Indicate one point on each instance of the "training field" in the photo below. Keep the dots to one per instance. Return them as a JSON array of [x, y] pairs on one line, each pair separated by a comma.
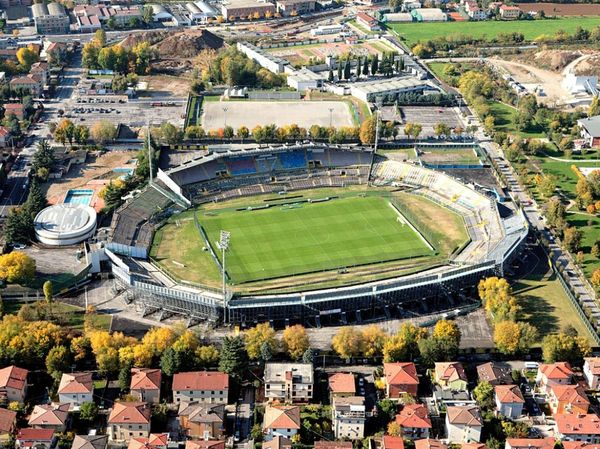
[[288, 240], [216, 114], [414, 32]]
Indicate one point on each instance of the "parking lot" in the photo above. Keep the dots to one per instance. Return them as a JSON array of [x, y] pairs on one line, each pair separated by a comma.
[[430, 116]]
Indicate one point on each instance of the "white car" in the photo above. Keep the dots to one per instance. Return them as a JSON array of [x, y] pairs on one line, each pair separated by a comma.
[[19, 246]]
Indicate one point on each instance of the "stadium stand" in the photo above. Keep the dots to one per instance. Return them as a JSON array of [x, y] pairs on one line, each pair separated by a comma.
[[240, 166]]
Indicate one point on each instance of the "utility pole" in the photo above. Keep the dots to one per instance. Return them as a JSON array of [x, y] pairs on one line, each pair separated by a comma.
[[225, 119], [224, 245]]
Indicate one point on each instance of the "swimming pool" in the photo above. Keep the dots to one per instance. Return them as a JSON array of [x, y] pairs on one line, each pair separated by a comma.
[[125, 170], [79, 196]]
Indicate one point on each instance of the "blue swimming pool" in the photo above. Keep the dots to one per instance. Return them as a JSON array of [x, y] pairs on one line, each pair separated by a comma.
[[79, 196], [125, 170]]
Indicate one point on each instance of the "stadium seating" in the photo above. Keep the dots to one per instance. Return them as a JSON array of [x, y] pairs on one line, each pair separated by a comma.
[[241, 166], [292, 160]]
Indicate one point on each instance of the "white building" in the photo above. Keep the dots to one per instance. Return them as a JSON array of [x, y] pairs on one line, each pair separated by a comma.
[[578, 84], [203, 386], [591, 372], [265, 59], [464, 424], [281, 421], [76, 388], [369, 91], [509, 400], [304, 79], [289, 382], [348, 417], [327, 29], [573, 427]]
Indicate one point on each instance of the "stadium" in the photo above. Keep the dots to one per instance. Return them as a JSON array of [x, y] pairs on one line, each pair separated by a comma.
[[313, 233]]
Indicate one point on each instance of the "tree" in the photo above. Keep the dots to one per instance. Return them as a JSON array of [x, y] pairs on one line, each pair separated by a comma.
[[147, 15], [124, 378], [243, 132], [170, 362], [256, 336], [26, 57], [207, 356], [498, 300], [556, 213], [365, 68], [234, 358], [594, 108], [373, 340], [348, 342], [81, 134], [266, 353], [511, 337], [295, 341], [330, 76], [404, 345], [88, 411], [142, 54], [441, 129], [447, 329], [375, 64], [100, 37], [484, 395], [563, 347], [170, 133], [347, 70], [394, 429], [58, 361], [308, 356], [16, 267], [103, 131], [48, 289], [572, 239], [18, 226], [413, 130], [36, 200], [368, 130]]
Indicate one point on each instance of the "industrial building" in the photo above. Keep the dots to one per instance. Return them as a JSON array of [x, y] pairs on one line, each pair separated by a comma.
[[295, 7], [235, 9], [50, 18], [160, 13], [270, 62], [370, 91], [429, 15], [304, 79]]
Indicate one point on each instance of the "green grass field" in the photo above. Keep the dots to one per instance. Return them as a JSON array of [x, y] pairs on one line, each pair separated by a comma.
[[504, 120], [531, 29], [313, 237]]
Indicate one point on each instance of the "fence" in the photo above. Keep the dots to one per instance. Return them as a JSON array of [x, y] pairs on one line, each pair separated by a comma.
[[208, 245]]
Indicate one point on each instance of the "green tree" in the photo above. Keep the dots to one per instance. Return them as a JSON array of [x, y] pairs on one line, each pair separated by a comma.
[[36, 200], [594, 107], [170, 133], [375, 64], [170, 362], [124, 378], [308, 356], [563, 347], [18, 227], [484, 395], [147, 14], [100, 37], [48, 290], [58, 361], [234, 358], [88, 411]]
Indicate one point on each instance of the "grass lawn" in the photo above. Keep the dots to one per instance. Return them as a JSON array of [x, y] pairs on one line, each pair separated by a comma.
[[462, 156], [504, 117], [531, 29], [566, 178], [590, 235], [282, 241]]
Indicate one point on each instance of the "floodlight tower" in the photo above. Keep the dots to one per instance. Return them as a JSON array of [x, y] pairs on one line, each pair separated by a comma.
[[224, 245]]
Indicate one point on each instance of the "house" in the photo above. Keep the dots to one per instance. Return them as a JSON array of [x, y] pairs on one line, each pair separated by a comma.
[[450, 376], [128, 420], [348, 417], [28, 82], [289, 382], [414, 421], [16, 109], [477, 14], [509, 12], [76, 388], [50, 416], [35, 438], [154, 441], [13, 380], [473, 446], [392, 442], [530, 443], [558, 373], [8, 422], [90, 442], [568, 399], [578, 445], [201, 420], [368, 22], [5, 140], [591, 367], [202, 386], [341, 385], [429, 443], [589, 129], [40, 70], [509, 400], [332, 444], [281, 420], [279, 442], [463, 424], [576, 427], [205, 444], [295, 7], [400, 380], [145, 384], [496, 373]]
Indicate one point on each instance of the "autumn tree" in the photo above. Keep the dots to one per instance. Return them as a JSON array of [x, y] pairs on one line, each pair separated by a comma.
[[484, 395], [394, 429], [368, 130], [511, 337], [48, 289], [256, 336], [565, 347], [556, 213], [413, 130], [572, 239], [442, 345], [16, 267], [348, 342], [295, 341], [441, 129], [26, 57], [404, 345], [498, 300], [373, 340], [103, 131], [594, 108], [58, 361]]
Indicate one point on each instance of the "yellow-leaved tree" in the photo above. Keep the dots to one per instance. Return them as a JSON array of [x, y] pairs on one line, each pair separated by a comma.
[[295, 341], [16, 267]]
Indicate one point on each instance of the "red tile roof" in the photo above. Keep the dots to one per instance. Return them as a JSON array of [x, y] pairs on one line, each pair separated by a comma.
[[129, 413], [531, 443], [556, 371], [76, 383], [49, 415], [509, 394], [204, 444], [342, 383], [8, 418], [400, 373], [429, 443], [154, 441], [145, 379], [594, 365], [414, 416], [449, 371], [282, 417], [391, 442], [12, 376], [201, 380], [578, 424], [333, 445], [572, 394], [29, 434], [473, 446], [466, 415]]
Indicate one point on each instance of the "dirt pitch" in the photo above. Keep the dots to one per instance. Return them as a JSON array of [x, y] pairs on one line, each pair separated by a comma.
[[560, 9], [281, 113]]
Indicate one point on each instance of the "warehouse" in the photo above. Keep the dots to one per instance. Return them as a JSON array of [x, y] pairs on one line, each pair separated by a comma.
[[304, 79], [50, 18], [387, 88], [242, 9], [429, 15]]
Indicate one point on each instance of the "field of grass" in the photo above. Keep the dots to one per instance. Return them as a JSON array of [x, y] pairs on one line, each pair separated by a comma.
[[565, 176], [462, 156], [283, 241], [504, 117], [531, 29]]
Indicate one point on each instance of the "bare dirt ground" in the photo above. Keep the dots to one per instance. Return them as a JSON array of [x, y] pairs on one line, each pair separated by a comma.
[[176, 86], [96, 168], [561, 9]]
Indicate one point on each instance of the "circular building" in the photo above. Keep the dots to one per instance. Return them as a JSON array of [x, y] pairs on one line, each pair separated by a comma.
[[65, 224]]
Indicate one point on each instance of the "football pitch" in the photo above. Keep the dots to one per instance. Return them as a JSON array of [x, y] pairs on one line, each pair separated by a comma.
[[309, 237]]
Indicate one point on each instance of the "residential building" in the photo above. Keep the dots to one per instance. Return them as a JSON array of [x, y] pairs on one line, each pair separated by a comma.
[[400, 380], [76, 388], [5, 140], [450, 376], [368, 22], [530, 443], [50, 416], [154, 441], [568, 399], [414, 421], [589, 128], [205, 444], [578, 445], [27, 82], [16, 109], [341, 385], [464, 424], [496, 373], [281, 420], [40, 71], [348, 417], [392, 442], [559, 373], [201, 420], [478, 14], [90, 442], [591, 367], [332, 445], [265, 59], [232, 10], [509, 400], [279, 442], [473, 446], [128, 420], [8, 422], [202, 386], [13, 380], [509, 12], [145, 384], [50, 18], [576, 427], [295, 7], [35, 438], [429, 443], [289, 382]]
